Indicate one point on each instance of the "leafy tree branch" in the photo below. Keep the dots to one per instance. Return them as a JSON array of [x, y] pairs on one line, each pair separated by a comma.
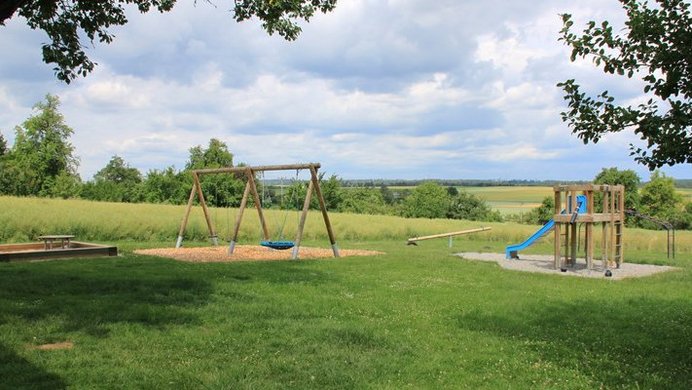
[[66, 21], [656, 46]]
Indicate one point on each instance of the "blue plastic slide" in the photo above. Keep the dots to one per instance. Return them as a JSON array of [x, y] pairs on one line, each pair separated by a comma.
[[511, 250]]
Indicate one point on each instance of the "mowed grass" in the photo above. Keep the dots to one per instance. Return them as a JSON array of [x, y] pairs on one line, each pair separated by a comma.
[[416, 317]]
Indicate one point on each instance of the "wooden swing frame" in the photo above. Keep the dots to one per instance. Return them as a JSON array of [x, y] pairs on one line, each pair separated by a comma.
[[251, 190]]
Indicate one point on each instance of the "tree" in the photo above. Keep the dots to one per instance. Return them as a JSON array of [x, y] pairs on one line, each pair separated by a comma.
[[68, 23], [221, 190], [428, 200], [660, 200], [64, 185], [331, 191], [627, 178], [387, 195], [363, 200], [216, 155], [657, 44], [167, 186], [41, 151], [543, 213], [3, 145], [116, 182], [470, 207], [118, 171]]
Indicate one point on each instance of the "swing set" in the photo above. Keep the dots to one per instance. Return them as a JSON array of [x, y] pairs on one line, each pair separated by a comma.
[[251, 190]]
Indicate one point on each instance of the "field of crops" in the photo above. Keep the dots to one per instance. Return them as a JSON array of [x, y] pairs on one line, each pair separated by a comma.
[[512, 200], [415, 317]]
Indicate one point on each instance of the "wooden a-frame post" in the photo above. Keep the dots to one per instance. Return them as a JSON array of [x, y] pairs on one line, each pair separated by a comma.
[[251, 189]]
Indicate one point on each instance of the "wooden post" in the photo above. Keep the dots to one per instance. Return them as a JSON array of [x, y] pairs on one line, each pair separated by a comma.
[[301, 224], [621, 226], [236, 229], [207, 216], [556, 231], [572, 229], [323, 207], [604, 244], [588, 234], [613, 249], [183, 225]]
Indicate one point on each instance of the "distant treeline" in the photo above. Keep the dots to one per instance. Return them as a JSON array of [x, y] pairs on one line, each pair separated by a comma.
[[457, 182], [679, 183], [683, 183]]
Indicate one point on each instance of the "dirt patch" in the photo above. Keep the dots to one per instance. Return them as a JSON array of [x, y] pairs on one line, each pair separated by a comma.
[[247, 253], [544, 264], [53, 346]]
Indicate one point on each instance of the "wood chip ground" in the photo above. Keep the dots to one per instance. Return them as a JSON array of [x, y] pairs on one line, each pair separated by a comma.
[[247, 253]]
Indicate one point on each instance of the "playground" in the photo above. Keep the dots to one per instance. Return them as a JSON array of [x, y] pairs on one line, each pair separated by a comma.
[[403, 316]]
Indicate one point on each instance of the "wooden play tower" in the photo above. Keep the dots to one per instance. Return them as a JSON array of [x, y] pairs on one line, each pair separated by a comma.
[[605, 206]]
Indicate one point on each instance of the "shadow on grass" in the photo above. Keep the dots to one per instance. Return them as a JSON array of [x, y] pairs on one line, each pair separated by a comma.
[[641, 342], [89, 298], [18, 373]]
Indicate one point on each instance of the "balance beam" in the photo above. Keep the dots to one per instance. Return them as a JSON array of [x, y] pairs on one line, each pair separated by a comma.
[[412, 241]]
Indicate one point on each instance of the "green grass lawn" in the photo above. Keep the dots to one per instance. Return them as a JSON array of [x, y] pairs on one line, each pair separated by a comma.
[[416, 317]]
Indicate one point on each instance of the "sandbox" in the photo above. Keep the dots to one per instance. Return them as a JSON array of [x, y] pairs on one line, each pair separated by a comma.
[[216, 254], [38, 251]]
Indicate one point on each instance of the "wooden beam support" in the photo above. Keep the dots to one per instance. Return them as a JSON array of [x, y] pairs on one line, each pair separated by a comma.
[[250, 174], [320, 199], [207, 215], [301, 224], [259, 168], [183, 225], [239, 218]]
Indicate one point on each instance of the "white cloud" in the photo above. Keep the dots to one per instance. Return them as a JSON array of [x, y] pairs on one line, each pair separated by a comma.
[[398, 88]]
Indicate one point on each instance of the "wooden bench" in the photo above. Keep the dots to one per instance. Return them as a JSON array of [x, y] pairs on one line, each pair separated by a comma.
[[48, 240]]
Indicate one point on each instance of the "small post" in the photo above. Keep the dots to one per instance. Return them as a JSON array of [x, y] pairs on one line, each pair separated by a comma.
[[450, 241]]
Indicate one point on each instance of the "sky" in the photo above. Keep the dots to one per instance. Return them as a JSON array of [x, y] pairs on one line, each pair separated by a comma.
[[391, 89]]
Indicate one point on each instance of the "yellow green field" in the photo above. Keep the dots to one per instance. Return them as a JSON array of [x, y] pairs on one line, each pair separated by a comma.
[[512, 199], [686, 193]]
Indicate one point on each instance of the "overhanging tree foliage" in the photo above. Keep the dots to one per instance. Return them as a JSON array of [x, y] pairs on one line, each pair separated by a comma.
[[68, 22], [656, 46]]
